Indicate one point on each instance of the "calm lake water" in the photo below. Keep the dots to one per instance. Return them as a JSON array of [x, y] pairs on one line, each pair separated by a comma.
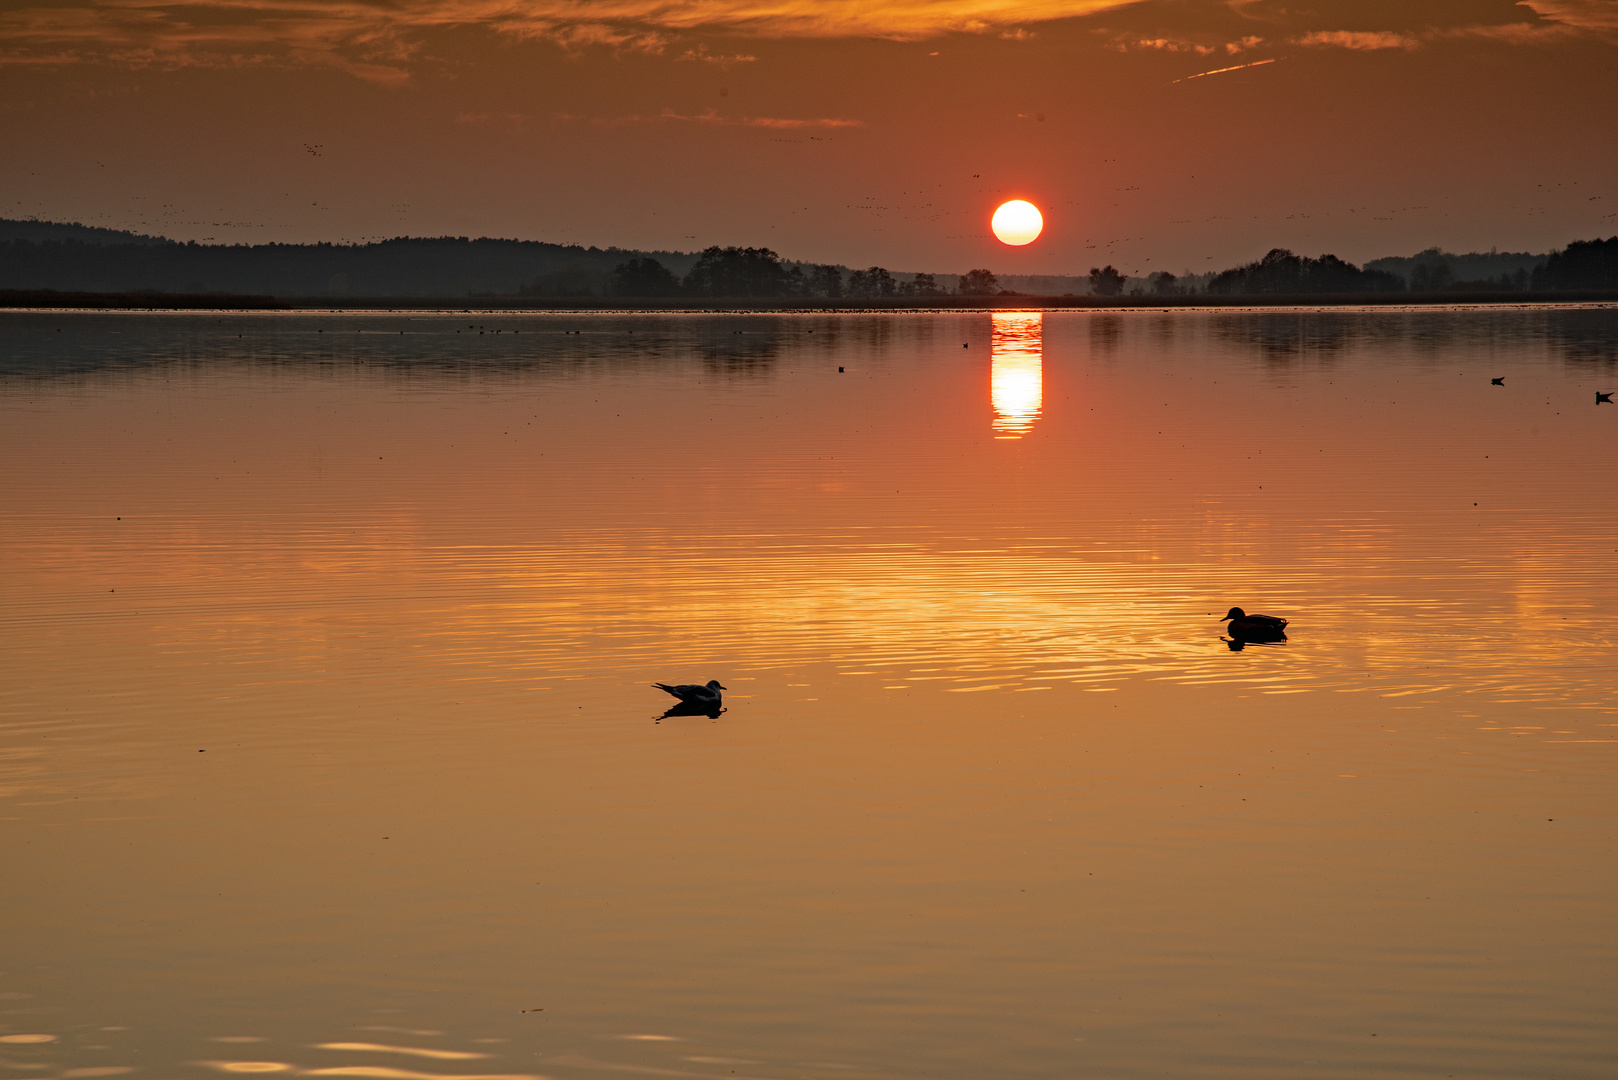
[[327, 746]]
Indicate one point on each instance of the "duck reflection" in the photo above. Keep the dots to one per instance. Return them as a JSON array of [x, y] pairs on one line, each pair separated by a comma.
[[1238, 644], [1016, 372]]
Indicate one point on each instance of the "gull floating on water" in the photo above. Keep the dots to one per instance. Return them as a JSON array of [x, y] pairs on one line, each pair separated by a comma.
[[691, 694]]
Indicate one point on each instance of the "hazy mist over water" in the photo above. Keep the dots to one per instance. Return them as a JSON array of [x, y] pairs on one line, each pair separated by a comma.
[[327, 746]]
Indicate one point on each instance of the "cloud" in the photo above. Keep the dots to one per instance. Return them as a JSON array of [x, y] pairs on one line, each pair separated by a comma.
[[483, 119], [1596, 16], [713, 118], [1565, 20], [788, 124], [702, 55], [1360, 40], [382, 40], [1542, 22], [1161, 44], [1514, 33], [579, 36], [372, 36]]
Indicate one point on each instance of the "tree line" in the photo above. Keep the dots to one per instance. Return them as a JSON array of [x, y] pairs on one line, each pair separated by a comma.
[[760, 272], [1583, 264], [1280, 272], [76, 258]]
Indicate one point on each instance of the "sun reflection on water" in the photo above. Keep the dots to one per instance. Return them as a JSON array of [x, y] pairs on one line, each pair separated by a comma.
[[1016, 376]]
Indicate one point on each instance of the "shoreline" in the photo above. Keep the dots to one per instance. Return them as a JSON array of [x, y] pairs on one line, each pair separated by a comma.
[[51, 300]]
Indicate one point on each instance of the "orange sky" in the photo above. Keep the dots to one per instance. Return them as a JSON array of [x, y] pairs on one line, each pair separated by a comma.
[[872, 132]]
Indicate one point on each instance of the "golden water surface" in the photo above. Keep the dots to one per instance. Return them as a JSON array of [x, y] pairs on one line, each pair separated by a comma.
[[327, 744]]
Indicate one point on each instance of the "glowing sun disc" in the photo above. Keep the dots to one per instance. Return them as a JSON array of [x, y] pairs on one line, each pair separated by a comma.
[[1018, 222]]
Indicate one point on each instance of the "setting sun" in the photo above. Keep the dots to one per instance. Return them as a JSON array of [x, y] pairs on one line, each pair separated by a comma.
[[1018, 222]]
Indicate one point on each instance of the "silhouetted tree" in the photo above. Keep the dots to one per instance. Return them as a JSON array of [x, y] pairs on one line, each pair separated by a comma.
[[978, 283], [1282, 273], [1279, 271], [1106, 281], [918, 285], [1329, 274], [643, 277], [1583, 264], [1162, 283], [735, 271], [827, 281], [1432, 272], [871, 283]]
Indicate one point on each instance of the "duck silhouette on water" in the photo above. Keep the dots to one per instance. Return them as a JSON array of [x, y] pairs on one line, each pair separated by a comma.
[[1254, 628], [695, 700]]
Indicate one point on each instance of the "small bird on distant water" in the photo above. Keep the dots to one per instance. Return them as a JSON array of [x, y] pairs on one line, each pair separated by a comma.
[[691, 694], [1600, 397], [1501, 381], [1255, 627]]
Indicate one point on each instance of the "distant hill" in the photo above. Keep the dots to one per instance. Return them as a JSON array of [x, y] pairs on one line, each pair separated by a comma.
[[69, 257], [38, 232], [77, 258]]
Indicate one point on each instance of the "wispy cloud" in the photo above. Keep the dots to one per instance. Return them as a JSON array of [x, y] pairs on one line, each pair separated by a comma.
[[483, 119], [1538, 22], [714, 118], [383, 40], [1360, 40], [700, 54], [1124, 43], [383, 33], [1599, 23], [1164, 44], [1599, 17]]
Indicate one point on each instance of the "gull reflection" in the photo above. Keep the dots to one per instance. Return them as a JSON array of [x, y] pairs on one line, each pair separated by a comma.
[[1016, 373], [689, 708]]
